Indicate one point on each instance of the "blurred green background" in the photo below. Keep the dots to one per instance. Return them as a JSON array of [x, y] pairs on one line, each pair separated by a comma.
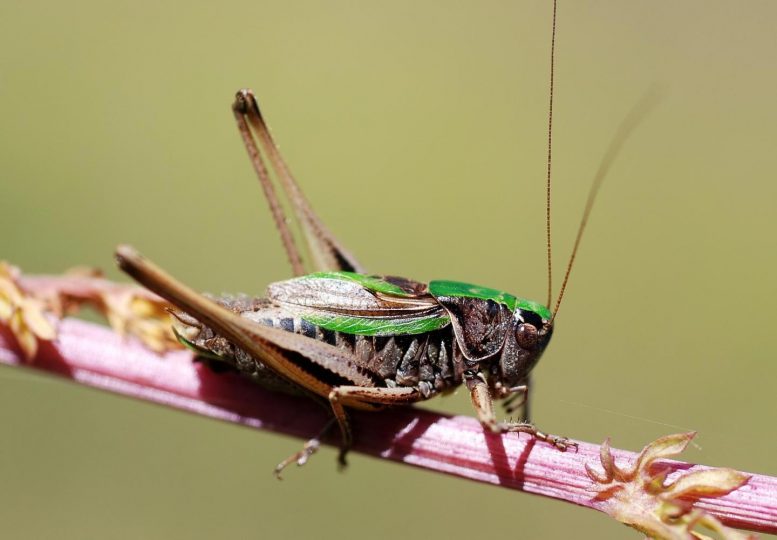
[[418, 132]]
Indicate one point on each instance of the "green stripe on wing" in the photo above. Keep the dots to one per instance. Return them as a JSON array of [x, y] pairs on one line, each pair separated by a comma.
[[376, 326]]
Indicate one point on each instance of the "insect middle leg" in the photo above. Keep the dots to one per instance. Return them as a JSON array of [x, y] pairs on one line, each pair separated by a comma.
[[519, 400], [361, 396], [484, 406]]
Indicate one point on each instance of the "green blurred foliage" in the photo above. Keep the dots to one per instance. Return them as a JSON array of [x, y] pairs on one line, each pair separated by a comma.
[[418, 132]]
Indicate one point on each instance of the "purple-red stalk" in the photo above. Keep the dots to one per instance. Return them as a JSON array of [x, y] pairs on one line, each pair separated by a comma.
[[95, 356]]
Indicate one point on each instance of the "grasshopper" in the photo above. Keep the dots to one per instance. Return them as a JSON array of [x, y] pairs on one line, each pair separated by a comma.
[[359, 341]]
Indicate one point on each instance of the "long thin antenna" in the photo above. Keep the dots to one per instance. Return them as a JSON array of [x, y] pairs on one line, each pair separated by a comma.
[[550, 154], [625, 129]]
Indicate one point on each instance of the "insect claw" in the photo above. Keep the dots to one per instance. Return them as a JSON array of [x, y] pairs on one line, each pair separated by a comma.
[[342, 463], [301, 457], [279, 469]]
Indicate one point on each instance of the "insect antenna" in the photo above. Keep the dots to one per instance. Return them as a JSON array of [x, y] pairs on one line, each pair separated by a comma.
[[550, 154], [624, 131]]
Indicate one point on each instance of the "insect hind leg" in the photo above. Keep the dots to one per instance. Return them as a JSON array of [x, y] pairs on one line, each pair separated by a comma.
[[339, 418], [325, 251], [308, 449]]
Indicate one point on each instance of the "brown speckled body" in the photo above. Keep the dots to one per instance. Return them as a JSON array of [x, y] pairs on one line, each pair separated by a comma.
[[432, 361]]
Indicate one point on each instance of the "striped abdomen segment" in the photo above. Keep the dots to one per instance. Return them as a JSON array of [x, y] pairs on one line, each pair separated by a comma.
[[430, 361]]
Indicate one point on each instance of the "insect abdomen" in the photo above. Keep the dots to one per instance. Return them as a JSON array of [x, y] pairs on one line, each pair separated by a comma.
[[431, 361], [426, 361]]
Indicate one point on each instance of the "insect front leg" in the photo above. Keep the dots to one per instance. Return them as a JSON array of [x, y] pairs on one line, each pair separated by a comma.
[[484, 406]]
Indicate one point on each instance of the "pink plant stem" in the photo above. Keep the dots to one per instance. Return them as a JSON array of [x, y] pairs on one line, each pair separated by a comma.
[[457, 445], [77, 286]]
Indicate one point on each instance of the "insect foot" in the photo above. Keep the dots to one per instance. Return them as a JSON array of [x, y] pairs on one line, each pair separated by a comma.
[[562, 443], [301, 457], [310, 448]]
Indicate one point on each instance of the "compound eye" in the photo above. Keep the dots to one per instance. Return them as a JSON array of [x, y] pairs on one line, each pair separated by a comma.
[[527, 336]]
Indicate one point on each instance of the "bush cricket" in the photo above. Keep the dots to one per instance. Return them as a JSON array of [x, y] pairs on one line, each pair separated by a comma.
[[353, 340]]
